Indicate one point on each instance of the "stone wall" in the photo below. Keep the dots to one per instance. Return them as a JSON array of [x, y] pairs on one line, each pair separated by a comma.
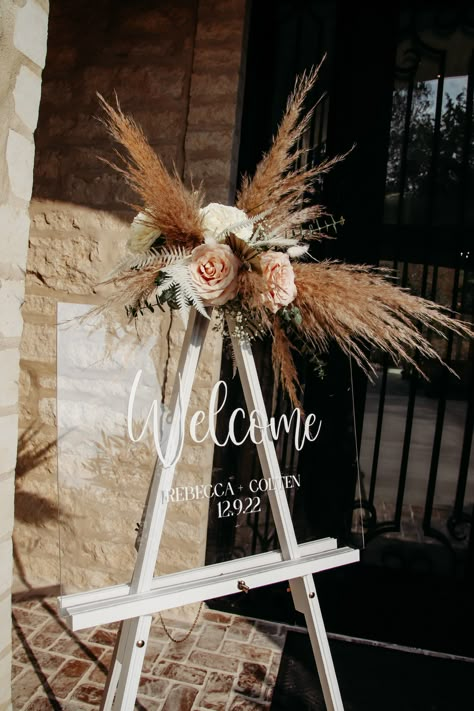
[[23, 33], [176, 66]]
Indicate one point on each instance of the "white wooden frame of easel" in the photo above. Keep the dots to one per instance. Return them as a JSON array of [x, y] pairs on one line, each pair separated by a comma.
[[135, 603]]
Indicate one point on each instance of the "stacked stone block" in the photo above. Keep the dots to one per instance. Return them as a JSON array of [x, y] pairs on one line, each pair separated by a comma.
[[23, 35]]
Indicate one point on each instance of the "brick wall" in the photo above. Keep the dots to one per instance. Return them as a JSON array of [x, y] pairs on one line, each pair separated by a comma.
[[176, 66], [23, 32]]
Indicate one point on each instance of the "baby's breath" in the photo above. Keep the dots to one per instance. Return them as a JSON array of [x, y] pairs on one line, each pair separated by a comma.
[[243, 323]]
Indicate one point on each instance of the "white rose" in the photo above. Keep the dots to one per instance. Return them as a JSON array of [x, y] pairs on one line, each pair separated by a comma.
[[142, 236], [217, 218]]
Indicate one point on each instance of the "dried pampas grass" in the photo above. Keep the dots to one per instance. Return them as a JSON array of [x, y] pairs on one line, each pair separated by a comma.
[[284, 365], [357, 306], [133, 287], [251, 288], [277, 187], [169, 207]]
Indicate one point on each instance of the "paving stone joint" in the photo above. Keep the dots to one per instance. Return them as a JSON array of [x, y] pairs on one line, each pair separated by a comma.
[[55, 668]]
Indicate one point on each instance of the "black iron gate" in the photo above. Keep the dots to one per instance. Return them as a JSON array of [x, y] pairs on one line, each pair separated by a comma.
[[417, 436], [398, 83]]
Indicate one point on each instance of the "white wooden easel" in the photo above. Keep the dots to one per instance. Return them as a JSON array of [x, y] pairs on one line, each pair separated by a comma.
[[135, 603]]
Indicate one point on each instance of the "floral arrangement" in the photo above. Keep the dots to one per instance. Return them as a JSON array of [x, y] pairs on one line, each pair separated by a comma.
[[251, 263]]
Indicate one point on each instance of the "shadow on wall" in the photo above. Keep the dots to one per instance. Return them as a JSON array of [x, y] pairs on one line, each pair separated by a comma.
[[31, 507]]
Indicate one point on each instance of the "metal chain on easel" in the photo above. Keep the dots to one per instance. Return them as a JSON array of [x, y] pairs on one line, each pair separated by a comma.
[[188, 633], [359, 484]]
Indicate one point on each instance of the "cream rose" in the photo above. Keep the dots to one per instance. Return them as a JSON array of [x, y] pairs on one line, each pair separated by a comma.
[[142, 236], [280, 278], [214, 269], [217, 218]]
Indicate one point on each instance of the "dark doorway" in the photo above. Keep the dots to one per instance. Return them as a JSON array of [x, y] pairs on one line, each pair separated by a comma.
[[397, 85]]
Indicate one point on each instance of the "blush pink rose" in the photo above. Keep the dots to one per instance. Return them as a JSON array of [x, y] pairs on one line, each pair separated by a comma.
[[280, 278], [214, 268]]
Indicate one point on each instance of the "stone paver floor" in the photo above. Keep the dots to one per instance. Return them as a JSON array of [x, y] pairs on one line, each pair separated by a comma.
[[229, 663]]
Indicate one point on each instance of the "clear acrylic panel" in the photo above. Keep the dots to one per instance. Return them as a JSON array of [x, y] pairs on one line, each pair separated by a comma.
[[110, 377], [103, 476]]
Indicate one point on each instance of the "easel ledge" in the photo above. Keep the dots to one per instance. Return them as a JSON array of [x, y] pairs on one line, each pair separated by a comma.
[[115, 603]]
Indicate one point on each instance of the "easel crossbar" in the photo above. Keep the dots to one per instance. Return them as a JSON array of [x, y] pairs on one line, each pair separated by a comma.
[[212, 582], [70, 600]]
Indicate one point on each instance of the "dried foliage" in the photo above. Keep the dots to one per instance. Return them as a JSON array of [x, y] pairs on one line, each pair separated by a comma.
[[283, 363], [358, 306], [277, 187], [251, 287], [170, 208], [132, 286]]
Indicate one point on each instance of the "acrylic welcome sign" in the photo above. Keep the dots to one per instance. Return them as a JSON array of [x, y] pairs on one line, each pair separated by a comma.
[[113, 429], [121, 494]]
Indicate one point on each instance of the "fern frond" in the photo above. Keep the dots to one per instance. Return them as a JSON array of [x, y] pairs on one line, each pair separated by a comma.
[[162, 258], [194, 298], [183, 305], [165, 284], [151, 258], [186, 294]]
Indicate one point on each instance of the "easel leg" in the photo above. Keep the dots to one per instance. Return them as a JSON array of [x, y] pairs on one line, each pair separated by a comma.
[[121, 689], [124, 674], [303, 589], [114, 671], [306, 601]]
